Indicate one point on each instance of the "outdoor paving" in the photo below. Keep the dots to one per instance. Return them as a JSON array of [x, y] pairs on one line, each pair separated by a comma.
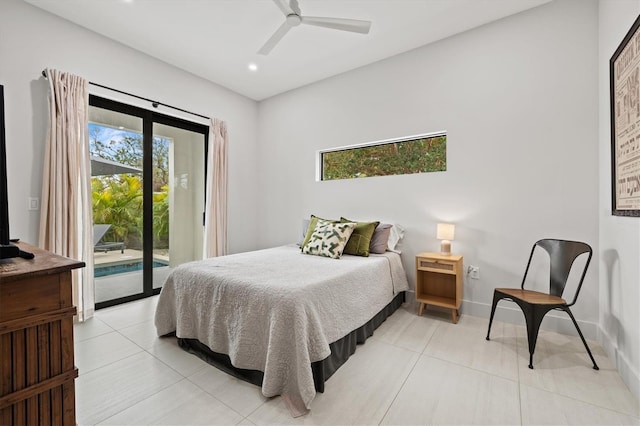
[[114, 256], [125, 284]]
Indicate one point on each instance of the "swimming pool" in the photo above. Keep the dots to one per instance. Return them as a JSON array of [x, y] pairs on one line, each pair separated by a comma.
[[103, 271]]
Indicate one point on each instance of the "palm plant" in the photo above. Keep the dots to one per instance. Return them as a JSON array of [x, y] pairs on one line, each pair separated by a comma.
[[118, 201], [161, 218]]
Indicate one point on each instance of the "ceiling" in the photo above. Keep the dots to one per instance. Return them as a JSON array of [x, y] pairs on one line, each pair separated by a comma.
[[217, 39]]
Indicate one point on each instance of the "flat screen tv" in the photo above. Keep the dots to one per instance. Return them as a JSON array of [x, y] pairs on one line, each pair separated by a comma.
[[7, 249]]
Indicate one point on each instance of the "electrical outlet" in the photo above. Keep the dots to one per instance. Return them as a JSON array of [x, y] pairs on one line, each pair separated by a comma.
[[34, 203], [473, 272]]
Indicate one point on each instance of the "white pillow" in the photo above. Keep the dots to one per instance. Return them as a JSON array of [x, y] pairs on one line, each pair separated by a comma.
[[395, 236]]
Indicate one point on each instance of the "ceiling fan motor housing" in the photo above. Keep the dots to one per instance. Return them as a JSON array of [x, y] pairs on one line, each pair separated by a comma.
[[293, 19]]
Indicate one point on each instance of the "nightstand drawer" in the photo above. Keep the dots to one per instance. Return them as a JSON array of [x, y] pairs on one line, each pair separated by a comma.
[[437, 265]]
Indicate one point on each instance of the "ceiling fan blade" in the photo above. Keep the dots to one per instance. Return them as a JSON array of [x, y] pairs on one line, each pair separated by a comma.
[[283, 5], [275, 38], [353, 25], [295, 7]]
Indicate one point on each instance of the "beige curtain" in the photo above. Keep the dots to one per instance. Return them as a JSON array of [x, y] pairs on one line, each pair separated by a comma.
[[215, 218], [65, 216]]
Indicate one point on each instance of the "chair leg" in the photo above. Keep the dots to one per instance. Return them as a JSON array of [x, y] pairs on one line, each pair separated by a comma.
[[496, 298], [567, 310], [533, 316]]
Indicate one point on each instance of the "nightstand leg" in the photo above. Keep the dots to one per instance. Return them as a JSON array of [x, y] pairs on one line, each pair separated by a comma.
[[455, 314], [420, 309]]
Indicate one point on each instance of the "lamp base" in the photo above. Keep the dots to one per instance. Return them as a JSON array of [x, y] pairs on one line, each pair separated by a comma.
[[445, 248]]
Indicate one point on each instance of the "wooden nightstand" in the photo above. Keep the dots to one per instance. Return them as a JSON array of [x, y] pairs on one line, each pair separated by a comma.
[[439, 282]]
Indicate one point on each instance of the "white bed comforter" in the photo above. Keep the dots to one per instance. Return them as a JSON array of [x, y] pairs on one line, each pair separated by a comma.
[[277, 310]]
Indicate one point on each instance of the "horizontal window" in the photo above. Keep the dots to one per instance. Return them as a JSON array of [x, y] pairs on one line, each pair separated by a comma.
[[414, 154]]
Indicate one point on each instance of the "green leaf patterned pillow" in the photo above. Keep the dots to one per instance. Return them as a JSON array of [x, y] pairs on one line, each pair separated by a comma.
[[312, 226], [328, 239]]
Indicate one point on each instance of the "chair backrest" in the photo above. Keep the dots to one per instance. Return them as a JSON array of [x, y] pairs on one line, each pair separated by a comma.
[[98, 232], [562, 254]]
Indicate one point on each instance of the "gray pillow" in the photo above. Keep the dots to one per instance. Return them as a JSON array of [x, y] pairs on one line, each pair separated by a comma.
[[305, 226], [380, 238]]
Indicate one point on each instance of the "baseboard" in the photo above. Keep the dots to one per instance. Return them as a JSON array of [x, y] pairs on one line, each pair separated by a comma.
[[512, 314], [628, 373]]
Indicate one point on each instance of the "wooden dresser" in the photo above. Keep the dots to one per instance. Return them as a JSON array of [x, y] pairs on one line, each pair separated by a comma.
[[37, 370]]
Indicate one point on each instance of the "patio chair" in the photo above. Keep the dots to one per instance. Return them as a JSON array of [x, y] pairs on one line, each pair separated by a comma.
[[101, 246]]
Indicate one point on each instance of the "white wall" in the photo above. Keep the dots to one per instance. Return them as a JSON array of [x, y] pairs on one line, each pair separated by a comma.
[[518, 99], [619, 236], [31, 40]]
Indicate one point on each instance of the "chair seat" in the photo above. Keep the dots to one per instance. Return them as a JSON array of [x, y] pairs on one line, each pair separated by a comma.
[[531, 296]]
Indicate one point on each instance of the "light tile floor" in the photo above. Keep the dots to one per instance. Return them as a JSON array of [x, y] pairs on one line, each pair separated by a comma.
[[413, 370]]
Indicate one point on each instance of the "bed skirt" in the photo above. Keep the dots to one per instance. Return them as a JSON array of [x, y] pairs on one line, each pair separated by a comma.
[[322, 370]]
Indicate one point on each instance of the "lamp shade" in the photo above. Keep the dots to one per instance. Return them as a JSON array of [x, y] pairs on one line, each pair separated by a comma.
[[446, 231]]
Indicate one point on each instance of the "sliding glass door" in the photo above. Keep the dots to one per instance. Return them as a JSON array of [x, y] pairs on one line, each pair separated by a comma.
[[178, 205], [148, 177]]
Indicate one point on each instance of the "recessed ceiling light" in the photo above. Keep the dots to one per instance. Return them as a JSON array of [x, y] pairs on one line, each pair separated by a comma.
[[253, 67]]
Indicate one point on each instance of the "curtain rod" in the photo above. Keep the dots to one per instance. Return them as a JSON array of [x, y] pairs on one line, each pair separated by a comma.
[[155, 104]]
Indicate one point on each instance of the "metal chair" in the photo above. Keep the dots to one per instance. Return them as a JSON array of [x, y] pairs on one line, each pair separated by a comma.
[[534, 304]]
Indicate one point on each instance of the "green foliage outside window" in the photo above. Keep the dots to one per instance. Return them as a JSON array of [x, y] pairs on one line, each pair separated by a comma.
[[393, 158], [118, 202], [117, 199]]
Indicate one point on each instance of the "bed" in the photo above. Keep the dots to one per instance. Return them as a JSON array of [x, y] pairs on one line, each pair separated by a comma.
[[274, 316]]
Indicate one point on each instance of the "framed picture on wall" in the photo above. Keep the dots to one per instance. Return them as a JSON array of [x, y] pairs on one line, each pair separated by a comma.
[[624, 75]]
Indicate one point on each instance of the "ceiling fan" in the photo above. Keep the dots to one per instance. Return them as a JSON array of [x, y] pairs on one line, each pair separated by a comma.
[[294, 18]]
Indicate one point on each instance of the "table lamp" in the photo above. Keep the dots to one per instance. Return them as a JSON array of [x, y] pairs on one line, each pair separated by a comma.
[[445, 232]]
